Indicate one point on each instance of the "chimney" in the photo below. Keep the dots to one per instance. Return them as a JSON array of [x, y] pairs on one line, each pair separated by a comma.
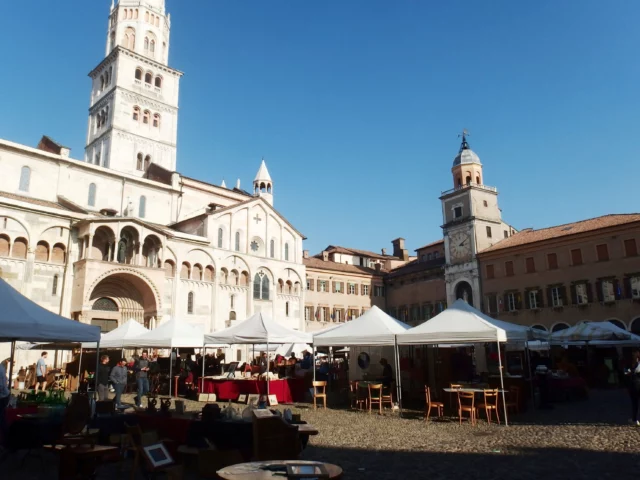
[[378, 267], [399, 250], [305, 254], [325, 256], [384, 251], [238, 184]]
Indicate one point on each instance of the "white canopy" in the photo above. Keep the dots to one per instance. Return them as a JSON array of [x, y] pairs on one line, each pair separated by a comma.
[[461, 323], [22, 319], [258, 328], [375, 327], [288, 348], [120, 337], [173, 333], [593, 332]]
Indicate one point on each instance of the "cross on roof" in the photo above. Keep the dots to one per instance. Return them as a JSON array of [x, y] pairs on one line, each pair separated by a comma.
[[257, 219]]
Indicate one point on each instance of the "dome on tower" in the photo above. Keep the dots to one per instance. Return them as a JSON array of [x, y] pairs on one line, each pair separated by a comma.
[[466, 155]]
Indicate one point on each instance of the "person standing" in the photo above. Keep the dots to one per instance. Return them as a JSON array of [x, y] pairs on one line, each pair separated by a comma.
[[41, 372], [102, 379], [634, 386], [118, 377], [141, 368], [5, 394]]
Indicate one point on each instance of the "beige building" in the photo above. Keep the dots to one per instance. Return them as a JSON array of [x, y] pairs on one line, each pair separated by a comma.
[[555, 277], [343, 283]]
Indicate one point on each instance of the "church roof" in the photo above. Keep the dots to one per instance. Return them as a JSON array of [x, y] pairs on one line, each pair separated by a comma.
[[530, 235], [34, 201], [465, 155], [432, 244], [263, 173]]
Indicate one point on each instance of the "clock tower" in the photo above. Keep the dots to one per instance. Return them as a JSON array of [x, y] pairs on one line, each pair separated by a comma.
[[471, 222]]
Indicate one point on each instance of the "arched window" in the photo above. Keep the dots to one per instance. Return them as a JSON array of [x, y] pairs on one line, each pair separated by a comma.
[[185, 271], [142, 209], [169, 269], [146, 44], [152, 47], [112, 40], [54, 287], [58, 253], [261, 286], [237, 245], [139, 74], [145, 117], [101, 82], [272, 249], [559, 326], [42, 252], [286, 252], [139, 165], [148, 78], [220, 235], [147, 162], [540, 327], [158, 82], [135, 15], [197, 272], [4, 245], [136, 113], [286, 309], [92, 195], [156, 120], [19, 249], [232, 315], [477, 179], [208, 274], [146, 16], [157, 21], [268, 188], [25, 179], [190, 303]]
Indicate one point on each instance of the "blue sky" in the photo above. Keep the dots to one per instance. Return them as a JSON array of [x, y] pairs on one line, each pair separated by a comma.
[[356, 104]]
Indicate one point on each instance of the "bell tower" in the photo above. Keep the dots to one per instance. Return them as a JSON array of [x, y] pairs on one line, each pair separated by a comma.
[[263, 185], [133, 112], [472, 221]]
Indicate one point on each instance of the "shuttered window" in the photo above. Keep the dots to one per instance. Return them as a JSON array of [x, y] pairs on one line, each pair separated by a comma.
[[490, 272], [576, 257], [530, 265], [630, 247], [508, 268], [603, 252], [552, 260]]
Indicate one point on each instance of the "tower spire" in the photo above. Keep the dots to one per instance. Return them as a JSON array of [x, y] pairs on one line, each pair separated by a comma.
[[464, 145], [262, 184]]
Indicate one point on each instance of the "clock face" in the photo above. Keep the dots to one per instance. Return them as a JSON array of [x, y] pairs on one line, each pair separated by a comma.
[[460, 247]]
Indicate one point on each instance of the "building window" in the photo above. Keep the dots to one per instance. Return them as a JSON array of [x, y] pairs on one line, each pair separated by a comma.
[[557, 296], [286, 309], [608, 293], [630, 247], [436, 254], [309, 284], [25, 179], [147, 162], [307, 313], [365, 290], [492, 304], [602, 252], [378, 291], [581, 294], [156, 120], [54, 288], [145, 117], [484, 202], [337, 287], [139, 164], [511, 302], [552, 261], [635, 287], [322, 285], [457, 212], [142, 209], [508, 268], [488, 232], [506, 234], [237, 244], [220, 235], [576, 257], [136, 114], [272, 248], [92, 195], [138, 74], [190, 303], [530, 265], [148, 78], [490, 272], [261, 286], [232, 300], [286, 252], [352, 289], [158, 82]]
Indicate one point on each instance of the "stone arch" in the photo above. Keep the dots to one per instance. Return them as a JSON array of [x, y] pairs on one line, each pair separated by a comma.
[[540, 327], [556, 327], [42, 251], [5, 245], [618, 323], [26, 232], [234, 277], [291, 272], [197, 272], [169, 268], [19, 248], [464, 290], [129, 241], [103, 243], [152, 251], [634, 326], [58, 253], [237, 262], [185, 271]]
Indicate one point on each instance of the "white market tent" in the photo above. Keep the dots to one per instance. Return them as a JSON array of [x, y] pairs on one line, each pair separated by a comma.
[[296, 348], [461, 323], [120, 337], [594, 333], [374, 327], [173, 333], [257, 329]]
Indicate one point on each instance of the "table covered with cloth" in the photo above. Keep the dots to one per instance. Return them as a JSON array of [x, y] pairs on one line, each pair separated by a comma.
[[287, 390]]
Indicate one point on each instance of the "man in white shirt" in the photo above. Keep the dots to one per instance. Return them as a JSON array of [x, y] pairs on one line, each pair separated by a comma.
[[41, 372]]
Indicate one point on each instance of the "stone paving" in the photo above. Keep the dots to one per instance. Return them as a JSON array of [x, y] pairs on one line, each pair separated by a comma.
[[585, 439]]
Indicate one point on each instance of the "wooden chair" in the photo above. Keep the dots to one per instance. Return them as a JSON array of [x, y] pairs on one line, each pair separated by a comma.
[[353, 394], [491, 403], [439, 406], [513, 399], [76, 419], [362, 395], [375, 396], [467, 403], [387, 395], [273, 438], [319, 391]]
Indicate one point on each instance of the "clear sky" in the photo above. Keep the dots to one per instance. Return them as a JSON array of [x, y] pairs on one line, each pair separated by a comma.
[[356, 104]]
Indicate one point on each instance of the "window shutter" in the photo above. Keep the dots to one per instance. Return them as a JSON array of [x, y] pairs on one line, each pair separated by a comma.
[[518, 301], [505, 302], [549, 297], [527, 300], [599, 290], [318, 285], [627, 287], [355, 290], [348, 289], [361, 289], [616, 289], [574, 295], [589, 292], [311, 285], [563, 295]]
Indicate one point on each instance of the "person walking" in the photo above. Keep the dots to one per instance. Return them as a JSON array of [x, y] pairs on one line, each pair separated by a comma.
[[41, 372], [118, 377], [141, 368], [102, 379], [634, 386]]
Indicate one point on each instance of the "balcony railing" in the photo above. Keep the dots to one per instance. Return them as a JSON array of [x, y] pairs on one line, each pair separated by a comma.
[[474, 185]]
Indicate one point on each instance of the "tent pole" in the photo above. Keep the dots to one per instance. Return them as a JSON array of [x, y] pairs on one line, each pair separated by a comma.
[[504, 401], [11, 360], [398, 375], [170, 369], [267, 370], [204, 361], [314, 364], [533, 395], [79, 370], [95, 376]]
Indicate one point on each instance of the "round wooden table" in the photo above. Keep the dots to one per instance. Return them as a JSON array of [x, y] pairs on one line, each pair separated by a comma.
[[253, 470]]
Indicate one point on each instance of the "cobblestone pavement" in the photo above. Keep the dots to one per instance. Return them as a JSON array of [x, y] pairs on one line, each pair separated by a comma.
[[585, 439]]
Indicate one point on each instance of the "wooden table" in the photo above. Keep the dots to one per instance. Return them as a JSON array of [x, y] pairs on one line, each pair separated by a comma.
[[253, 471]]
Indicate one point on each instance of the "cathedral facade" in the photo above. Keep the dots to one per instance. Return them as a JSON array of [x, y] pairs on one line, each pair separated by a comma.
[[121, 234]]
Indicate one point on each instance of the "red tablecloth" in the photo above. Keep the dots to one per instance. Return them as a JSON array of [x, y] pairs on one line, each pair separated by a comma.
[[286, 390]]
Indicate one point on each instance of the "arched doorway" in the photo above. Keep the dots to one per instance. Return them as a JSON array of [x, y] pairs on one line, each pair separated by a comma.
[[635, 326], [559, 326], [617, 323], [119, 298], [464, 291]]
